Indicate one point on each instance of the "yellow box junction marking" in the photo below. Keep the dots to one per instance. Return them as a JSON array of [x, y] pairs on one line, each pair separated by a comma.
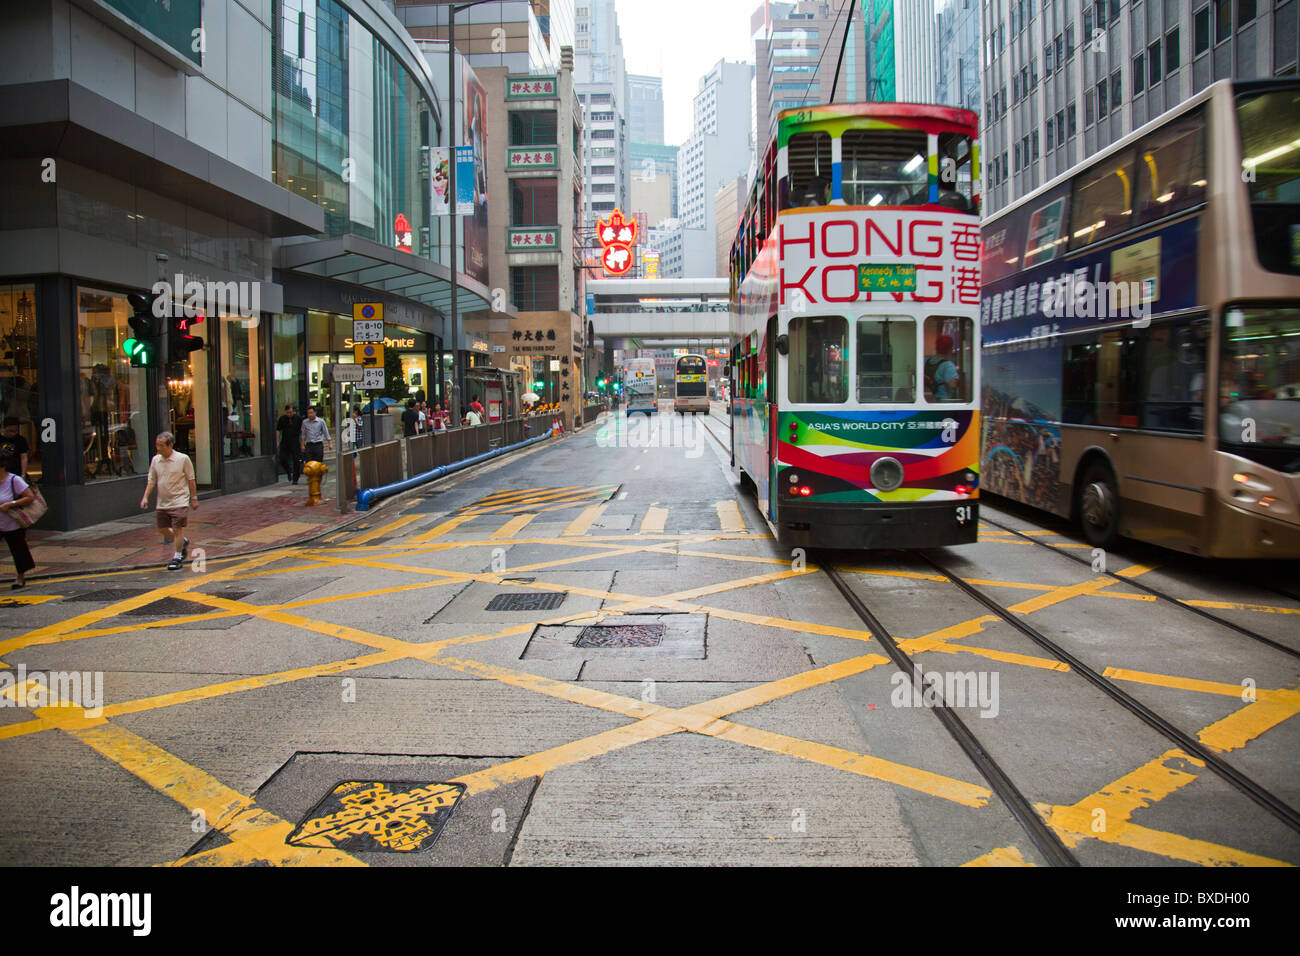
[[582, 524], [384, 530], [654, 520], [513, 526], [730, 517]]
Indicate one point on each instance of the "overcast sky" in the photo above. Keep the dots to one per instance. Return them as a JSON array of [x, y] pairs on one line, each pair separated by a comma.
[[681, 40]]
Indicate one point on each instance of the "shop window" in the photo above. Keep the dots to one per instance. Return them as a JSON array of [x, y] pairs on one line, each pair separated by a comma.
[[818, 371], [949, 358], [19, 388], [288, 356], [115, 441], [240, 391]]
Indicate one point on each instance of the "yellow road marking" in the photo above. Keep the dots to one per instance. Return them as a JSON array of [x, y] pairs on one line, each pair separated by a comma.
[[1060, 594], [654, 520], [30, 598], [437, 531], [512, 527], [1234, 606], [518, 493], [1002, 856], [1180, 683], [1133, 570], [730, 517], [582, 524], [384, 529], [257, 834], [1239, 728]]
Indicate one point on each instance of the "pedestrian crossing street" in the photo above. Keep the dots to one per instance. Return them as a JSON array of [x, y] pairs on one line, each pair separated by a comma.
[[540, 516]]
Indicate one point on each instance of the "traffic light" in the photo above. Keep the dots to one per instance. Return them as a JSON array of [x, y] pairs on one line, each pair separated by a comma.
[[600, 383], [537, 385], [142, 347], [180, 343]]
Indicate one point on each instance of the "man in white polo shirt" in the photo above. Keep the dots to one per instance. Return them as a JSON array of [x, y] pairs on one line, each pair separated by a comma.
[[172, 473]]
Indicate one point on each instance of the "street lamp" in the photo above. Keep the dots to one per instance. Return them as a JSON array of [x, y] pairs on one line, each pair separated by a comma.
[[458, 367]]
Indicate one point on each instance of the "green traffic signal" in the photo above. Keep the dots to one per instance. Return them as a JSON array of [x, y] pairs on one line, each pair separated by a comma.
[[138, 352], [539, 384]]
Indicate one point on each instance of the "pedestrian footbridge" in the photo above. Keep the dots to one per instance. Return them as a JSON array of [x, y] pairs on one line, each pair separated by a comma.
[[658, 313]]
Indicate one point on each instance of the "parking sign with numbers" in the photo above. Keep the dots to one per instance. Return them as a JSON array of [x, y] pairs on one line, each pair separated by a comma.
[[368, 330], [373, 378]]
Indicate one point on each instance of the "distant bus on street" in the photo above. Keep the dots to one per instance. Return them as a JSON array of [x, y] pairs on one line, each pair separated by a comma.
[[1141, 319], [639, 386], [691, 385]]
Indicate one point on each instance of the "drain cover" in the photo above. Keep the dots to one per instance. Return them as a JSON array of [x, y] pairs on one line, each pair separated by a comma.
[[528, 601], [379, 816], [621, 635]]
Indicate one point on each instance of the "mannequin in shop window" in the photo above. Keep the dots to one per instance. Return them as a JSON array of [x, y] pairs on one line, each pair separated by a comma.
[[103, 395]]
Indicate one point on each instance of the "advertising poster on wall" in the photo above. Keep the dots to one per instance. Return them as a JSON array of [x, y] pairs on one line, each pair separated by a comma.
[[441, 179], [475, 136]]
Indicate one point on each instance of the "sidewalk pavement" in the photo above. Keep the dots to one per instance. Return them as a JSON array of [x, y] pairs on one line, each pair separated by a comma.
[[267, 517]]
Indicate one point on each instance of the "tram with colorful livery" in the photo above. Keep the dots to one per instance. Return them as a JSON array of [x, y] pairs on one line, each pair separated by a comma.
[[855, 295]]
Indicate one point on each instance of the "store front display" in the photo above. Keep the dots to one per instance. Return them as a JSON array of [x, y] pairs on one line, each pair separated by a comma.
[[329, 340], [18, 369], [115, 439]]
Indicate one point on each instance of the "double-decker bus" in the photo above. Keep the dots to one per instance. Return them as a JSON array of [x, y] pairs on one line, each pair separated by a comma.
[[639, 388], [691, 385], [1141, 326], [854, 327]]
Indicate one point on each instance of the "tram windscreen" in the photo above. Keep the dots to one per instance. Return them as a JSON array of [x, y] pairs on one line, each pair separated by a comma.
[[886, 360]]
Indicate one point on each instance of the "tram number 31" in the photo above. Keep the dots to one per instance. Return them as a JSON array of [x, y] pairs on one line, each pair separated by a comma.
[[964, 514]]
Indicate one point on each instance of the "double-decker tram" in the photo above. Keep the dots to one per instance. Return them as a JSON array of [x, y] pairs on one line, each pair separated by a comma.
[[855, 283], [691, 385], [1141, 328]]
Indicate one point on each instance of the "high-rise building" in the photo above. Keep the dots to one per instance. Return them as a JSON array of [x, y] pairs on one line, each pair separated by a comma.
[[1066, 78], [524, 36], [718, 150], [903, 50], [645, 113], [602, 86], [728, 204], [957, 77], [796, 55], [653, 186]]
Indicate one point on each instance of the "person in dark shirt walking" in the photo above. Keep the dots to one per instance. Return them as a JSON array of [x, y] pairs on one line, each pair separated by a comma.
[[13, 447], [290, 428], [410, 419]]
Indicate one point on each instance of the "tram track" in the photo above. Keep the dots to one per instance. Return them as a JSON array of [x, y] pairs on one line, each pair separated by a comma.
[[1155, 592], [1043, 837]]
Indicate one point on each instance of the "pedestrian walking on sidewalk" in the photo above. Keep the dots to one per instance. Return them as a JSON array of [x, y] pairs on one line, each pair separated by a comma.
[[15, 493], [315, 433], [290, 428], [172, 473]]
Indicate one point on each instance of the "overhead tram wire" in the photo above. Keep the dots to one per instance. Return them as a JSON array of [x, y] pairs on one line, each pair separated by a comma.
[[840, 61], [817, 70]]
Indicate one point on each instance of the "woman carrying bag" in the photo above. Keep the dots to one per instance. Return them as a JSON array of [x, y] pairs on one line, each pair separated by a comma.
[[17, 514]]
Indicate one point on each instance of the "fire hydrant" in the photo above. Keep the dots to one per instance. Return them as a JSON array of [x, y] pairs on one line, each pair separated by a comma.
[[315, 471]]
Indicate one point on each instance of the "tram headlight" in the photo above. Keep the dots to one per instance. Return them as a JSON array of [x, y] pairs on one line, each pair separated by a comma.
[[886, 473], [794, 479]]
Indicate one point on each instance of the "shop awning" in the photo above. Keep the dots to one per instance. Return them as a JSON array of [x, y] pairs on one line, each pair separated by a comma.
[[363, 262]]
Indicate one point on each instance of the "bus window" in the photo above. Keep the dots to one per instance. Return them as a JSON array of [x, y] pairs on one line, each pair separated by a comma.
[[949, 358], [884, 167], [1171, 168], [809, 156], [817, 373], [1259, 382], [1173, 376], [1102, 379], [1271, 172], [886, 347], [1103, 200]]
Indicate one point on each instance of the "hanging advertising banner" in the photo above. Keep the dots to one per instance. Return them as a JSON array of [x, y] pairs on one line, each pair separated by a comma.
[[440, 157], [476, 135], [402, 229], [650, 264], [464, 180]]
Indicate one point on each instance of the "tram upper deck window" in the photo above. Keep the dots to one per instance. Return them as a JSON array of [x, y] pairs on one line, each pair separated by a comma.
[[1103, 200], [809, 162], [1171, 168], [884, 167], [819, 348], [886, 347], [956, 173], [949, 358]]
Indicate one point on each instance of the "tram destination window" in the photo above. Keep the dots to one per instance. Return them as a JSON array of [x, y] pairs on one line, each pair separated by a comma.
[[819, 346], [886, 348]]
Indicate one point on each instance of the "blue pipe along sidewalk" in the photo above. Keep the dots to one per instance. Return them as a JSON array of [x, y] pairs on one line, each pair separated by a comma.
[[368, 496]]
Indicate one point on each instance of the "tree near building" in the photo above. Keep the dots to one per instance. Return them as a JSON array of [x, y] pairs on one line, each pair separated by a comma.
[[394, 381]]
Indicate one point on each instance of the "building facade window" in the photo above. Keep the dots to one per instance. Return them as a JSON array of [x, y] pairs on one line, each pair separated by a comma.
[[533, 202], [533, 128], [535, 288]]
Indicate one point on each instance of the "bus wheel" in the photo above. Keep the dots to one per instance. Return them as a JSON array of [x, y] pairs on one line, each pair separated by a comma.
[[1099, 506]]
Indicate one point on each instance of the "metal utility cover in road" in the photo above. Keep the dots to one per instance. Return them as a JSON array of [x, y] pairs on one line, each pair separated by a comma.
[[383, 816], [529, 601], [368, 354]]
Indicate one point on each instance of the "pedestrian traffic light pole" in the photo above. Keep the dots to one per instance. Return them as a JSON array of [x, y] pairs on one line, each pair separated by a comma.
[[458, 367]]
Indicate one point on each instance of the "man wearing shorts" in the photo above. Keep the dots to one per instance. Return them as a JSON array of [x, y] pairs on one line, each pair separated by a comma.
[[172, 473]]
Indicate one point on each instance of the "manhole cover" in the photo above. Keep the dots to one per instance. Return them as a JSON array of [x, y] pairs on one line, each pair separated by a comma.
[[527, 601], [621, 635], [172, 606], [519, 580], [379, 816]]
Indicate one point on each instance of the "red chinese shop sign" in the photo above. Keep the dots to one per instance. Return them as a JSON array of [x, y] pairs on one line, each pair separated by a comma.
[[617, 237], [840, 256]]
